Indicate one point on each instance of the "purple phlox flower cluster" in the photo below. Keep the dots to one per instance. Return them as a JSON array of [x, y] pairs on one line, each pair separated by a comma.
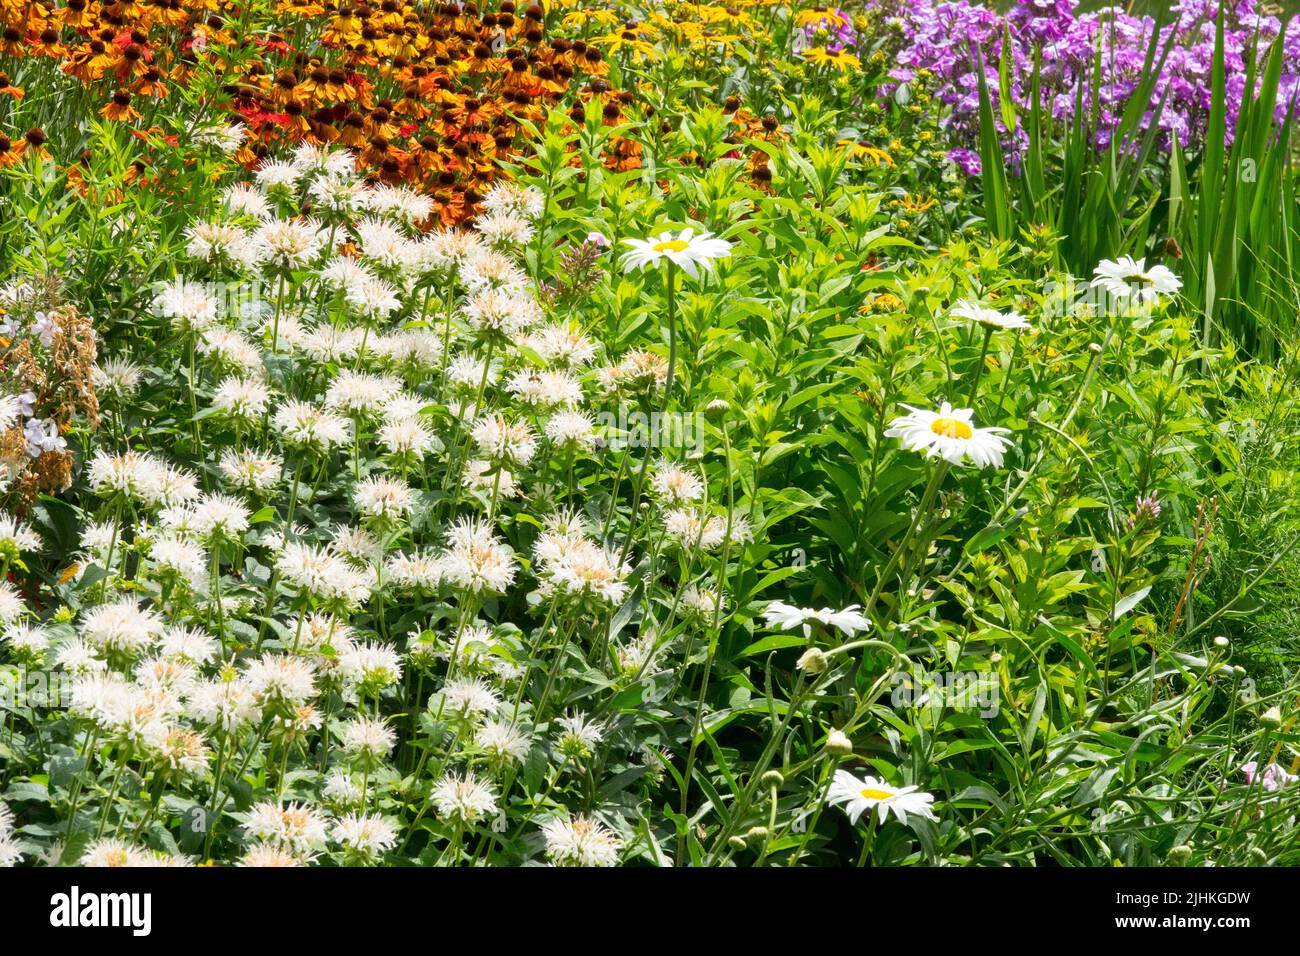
[[950, 39]]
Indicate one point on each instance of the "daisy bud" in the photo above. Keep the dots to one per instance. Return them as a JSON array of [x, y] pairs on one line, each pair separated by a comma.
[[1258, 857], [756, 835], [1221, 642], [1271, 718], [1094, 348], [771, 778], [838, 744], [717, 409], [1179, 855], [813, 661], [738, 843]]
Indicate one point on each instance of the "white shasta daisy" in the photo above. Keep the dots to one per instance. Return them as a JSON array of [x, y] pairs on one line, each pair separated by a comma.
[[1126, 278], [686, 249], [949, 434], [861, 795]]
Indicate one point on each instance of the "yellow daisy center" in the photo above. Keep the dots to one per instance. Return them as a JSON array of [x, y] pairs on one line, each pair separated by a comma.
[[671, 245], [951, 428], [872, 794]]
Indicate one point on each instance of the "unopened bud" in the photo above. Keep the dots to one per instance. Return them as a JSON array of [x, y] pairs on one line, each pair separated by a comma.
[[812, 661], [1179, 855], [838, 744], [1271, 718], [772, 778]]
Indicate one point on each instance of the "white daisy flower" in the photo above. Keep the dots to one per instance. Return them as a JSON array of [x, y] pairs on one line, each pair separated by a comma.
[[991, 318], [685, 249], [1127, 278], [949, 434], [858, 796]]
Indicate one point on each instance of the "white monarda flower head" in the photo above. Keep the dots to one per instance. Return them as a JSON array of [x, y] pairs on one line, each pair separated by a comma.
[[421, 571], [277, 680], [267, 856], [373, 299], [463, 799], [241, 398], [321, 574], [400, 202], [116, 379], [358, 545], [991, 318], [226, 705], [501, 440], [361, 393], [274, 175], [243, 199], [121, 627], [578, 737], [305, 426], [221, 243], [129, 475], [572, 430], [26, 641], [370, 666], [949, 434], [219, 517], [190, 306], [406, 436], [335, 194], [545, 389], [323, 161], [366, 836], [225, 138], [466, 372], [674, 484], [289, 243], [562, 344], [579, 568], [504, 230], [506, 311], [687, 249], [384, 243], [690, 528], [502, 743], [368, 740], [250, 471], [11, 604], [383, 498], [294, 827], [489, 479], [468, 697], [476, 559], [175, 555], [1126, 278], [858, 796], [511, 198], [230, 348], [17, 537], [580, 841], [188, 644]]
